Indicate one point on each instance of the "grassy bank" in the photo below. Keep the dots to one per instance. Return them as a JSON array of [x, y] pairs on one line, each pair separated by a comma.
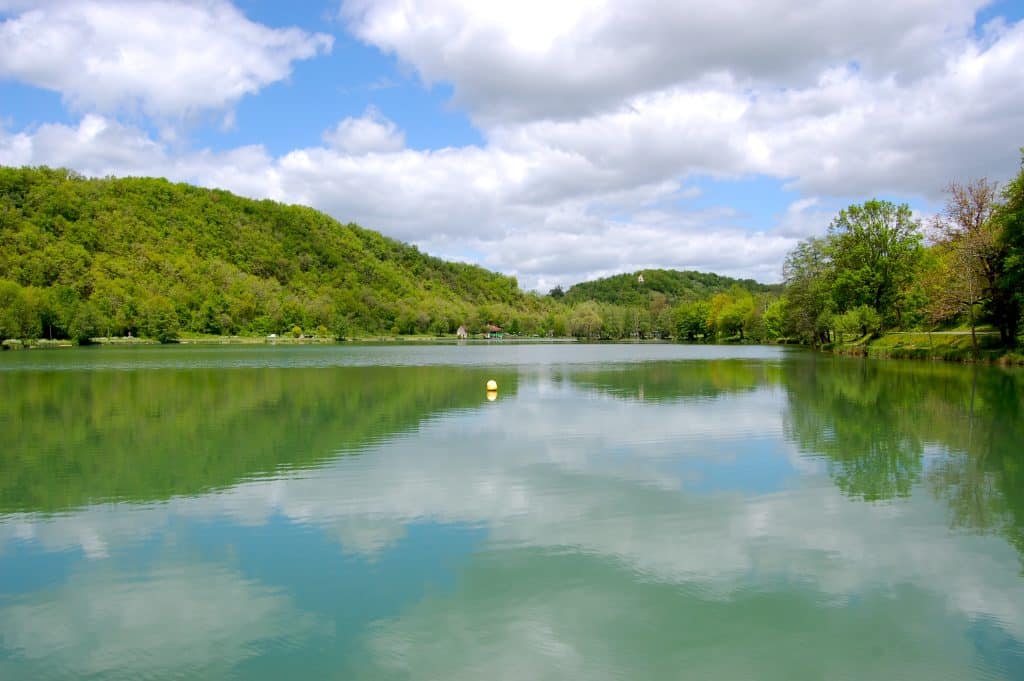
[[948, 346]]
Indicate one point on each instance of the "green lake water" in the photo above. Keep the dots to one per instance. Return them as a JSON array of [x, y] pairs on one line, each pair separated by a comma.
[[617, 512]]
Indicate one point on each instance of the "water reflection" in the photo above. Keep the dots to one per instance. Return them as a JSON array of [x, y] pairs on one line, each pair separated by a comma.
[[875, 422], [736, 519], [851, 414], [72, 438], [174, 619], [659, 381]]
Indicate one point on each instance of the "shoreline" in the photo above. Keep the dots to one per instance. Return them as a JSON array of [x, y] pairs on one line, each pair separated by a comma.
[[937, 346], [952, 347], [102, 341]]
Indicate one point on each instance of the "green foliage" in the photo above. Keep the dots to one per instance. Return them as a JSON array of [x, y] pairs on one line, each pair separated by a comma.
[[85, 323], [84, 257], [809, 302], [872, 270], [856, 278], [732, 312], [692, 321], [159, 319], [19, 317], [142, 256], [873, 250], [973, 258], [586, 321], [676, 287], [860, 321], [342, 327], [1010, 284], [775, 319]]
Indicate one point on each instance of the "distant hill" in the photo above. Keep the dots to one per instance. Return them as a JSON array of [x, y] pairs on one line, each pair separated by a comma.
[[677, 286], [81, 257]]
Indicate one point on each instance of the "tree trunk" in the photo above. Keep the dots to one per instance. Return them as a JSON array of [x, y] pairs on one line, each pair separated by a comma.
[[974, 334]]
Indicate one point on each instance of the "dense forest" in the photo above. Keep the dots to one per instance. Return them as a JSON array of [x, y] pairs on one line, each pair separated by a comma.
[[640, 288], [106, 257], [84, 258]]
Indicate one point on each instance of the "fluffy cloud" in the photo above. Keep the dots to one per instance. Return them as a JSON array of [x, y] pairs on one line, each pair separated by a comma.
[[165, 59], [96, 146], [597, 117], [538, 59], [371, 132]]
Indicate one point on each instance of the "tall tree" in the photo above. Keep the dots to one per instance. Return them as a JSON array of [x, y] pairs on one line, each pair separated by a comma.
[[874, 249], [18, 318], [972, 262], [808, 273], [1010, 217]]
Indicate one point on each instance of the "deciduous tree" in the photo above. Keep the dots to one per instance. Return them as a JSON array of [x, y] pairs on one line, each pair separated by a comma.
[[874, 249], [970, 259], [1010, 217]]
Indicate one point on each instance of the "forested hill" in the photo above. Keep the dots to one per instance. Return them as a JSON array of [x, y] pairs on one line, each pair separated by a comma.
[[82, 257], [677, 286]]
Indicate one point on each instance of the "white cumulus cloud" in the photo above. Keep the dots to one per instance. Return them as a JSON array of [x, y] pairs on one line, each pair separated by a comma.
[[164, 59], [603, 122], [537, 59], [371, 132]]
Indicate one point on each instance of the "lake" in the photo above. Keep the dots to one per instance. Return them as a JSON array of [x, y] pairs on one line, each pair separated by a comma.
[[614, 512]]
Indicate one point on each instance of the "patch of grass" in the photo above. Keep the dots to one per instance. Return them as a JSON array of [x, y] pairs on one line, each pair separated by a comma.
[[931, 346]]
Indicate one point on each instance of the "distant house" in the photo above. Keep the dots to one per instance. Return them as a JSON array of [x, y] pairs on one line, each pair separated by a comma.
[[462, 333], [640, 277], [492, 331]]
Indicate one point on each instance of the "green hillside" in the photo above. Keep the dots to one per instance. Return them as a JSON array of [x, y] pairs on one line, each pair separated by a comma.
[[82, 257], [676, 286]]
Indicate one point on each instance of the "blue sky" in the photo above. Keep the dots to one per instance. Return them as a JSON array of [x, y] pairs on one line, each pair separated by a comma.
[[344, 83], [553, 142]]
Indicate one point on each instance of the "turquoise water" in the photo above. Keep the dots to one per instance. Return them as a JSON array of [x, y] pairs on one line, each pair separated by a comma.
[[618, 511]]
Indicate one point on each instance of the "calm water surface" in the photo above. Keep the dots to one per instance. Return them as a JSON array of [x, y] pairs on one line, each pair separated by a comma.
[[618, 512]]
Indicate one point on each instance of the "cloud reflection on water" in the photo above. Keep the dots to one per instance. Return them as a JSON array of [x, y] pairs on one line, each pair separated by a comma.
[[595, 482]]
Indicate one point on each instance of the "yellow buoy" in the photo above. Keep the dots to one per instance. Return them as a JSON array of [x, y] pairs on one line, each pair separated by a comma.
[[492, 384]]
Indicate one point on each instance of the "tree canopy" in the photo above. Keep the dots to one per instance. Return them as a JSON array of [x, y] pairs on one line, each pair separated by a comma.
[[676, 286], [872, 270], [874, 249], [81, 258], [86, 257]]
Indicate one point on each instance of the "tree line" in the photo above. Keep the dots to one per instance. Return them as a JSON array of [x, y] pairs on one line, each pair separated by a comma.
[[879, 268], [81, 258]]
